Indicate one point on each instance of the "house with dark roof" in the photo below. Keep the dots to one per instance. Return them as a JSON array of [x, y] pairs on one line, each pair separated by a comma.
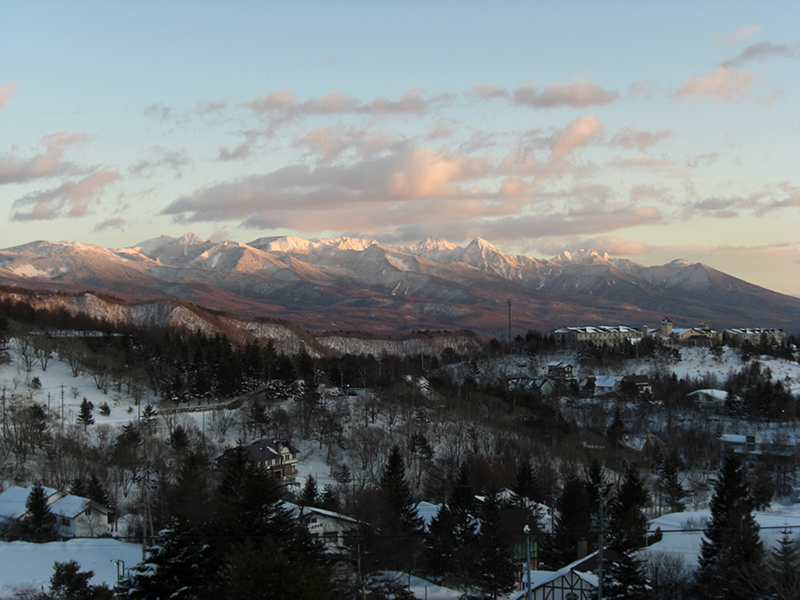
[[277, 456]]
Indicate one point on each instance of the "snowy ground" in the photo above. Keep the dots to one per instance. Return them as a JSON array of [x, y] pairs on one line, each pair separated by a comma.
[[682, 532], [25, 566]]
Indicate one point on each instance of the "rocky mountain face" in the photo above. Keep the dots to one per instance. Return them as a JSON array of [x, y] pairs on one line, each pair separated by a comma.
[[362, 285]]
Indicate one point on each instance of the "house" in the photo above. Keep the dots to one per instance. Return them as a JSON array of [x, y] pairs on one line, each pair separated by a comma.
[[543, 385], [75, 516], [562, 376], [709, 398], [755, 336], [599, 385], [331, 528], [277, 456], [610, 335], [573, 582], [636, 385]]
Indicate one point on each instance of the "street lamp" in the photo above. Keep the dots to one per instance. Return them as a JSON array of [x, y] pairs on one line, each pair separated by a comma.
[[120, 572], [527, 531]]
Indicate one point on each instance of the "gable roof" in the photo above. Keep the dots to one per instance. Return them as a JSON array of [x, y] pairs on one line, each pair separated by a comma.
[[12, 501], [267, 449]]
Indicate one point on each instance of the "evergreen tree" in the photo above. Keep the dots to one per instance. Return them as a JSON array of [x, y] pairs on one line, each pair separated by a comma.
[[496, 566], [178, 565], [451, 550], [669, 483], [309, 494], [38, 524], [731, 552], [573, 519], [626, 577], [526, 485], [398, 522], [400, 510], [329, 499], [69, 583], [85, 416], [783, 569], [627, 519]]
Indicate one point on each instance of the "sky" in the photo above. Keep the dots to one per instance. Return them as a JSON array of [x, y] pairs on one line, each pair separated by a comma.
[[651, 131]]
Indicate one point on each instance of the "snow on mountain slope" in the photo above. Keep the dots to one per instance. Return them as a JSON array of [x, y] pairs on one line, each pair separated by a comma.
[[328, 275]]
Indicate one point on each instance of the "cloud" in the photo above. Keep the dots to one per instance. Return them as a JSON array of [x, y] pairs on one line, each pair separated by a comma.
[[47, 163], [791, 200], [487, 91], [248, 147], [397, 178], [704, 160], [741, 34], [723, 84], [158, 111], [627, 137], [70, 199], [6, 91], [284, 104], [209, 107], [577, 94], [762, 51], [115, 223], [160, 158], [575, 135], [331, 142]]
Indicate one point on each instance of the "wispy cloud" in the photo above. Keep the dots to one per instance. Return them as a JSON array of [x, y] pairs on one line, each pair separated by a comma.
[[159, 158], [576, 94], [742, 33], [487, 91], [114, 223], [577, 134], [285, 104], [6, 91], [723, 84], [762, 51], [628, 137], [70, 199]]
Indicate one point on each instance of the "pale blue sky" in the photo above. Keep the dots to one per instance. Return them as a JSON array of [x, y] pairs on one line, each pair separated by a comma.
[[650, 130]]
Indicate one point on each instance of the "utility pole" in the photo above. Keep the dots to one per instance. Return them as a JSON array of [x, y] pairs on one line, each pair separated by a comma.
[[527, 531], [509, 322]]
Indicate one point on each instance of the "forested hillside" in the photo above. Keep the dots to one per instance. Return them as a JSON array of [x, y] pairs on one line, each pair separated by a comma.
[[429, 455]]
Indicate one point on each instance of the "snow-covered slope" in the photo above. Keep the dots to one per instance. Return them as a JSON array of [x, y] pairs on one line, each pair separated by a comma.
[[361, 283]]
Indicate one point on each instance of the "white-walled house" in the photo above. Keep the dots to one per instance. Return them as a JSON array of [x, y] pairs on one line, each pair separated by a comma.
[[75, 516]]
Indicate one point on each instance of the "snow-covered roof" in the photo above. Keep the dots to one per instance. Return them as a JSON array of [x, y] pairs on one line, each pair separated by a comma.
[[720, 395], [12, 501], [607, 381], [71, 506]]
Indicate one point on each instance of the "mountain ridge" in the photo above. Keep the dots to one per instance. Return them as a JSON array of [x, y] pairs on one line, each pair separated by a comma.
[[359, 283]]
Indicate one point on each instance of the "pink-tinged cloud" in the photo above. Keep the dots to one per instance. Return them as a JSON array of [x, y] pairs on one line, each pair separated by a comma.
[[575, 135], [420, 175], [6, 91], [47, 163], [331, 142], [70, 199], [285, 104], [641, 162], [723, 84], [628, 137], [577, 94], [487, 91], [763, 51]]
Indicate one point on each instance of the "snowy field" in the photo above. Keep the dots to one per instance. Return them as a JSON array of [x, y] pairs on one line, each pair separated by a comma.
[[682, 532], [26, 566]]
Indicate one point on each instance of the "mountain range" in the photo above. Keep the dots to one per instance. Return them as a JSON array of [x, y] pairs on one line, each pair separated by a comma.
[[362, 285]]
